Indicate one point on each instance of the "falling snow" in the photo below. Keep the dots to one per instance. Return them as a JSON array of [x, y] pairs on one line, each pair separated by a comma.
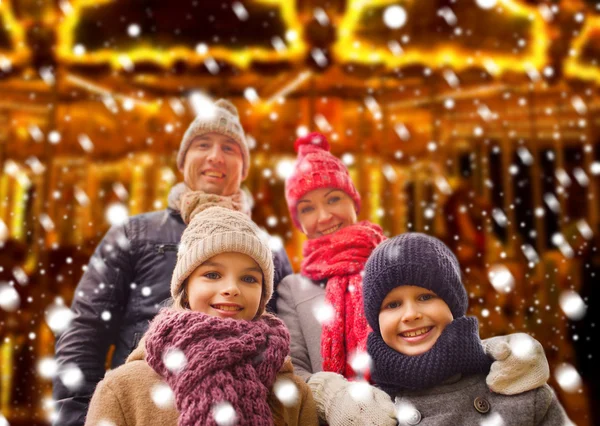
[[224, 414], [162, 396], [286, 391], [521, 250], [175, 360], [9, 298]]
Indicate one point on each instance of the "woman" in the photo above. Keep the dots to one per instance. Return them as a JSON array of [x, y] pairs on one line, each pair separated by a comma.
[[324, 203]]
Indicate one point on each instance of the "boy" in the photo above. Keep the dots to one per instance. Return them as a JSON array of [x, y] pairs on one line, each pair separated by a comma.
[[427, 355]]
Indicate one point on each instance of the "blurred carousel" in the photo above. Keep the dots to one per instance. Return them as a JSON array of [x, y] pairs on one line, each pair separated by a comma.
[[475, 121]]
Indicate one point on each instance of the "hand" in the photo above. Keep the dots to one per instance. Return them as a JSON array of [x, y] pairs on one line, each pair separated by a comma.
[[520, 364], [343, 403]]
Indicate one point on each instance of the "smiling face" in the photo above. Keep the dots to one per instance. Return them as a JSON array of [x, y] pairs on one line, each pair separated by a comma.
[[213, 164], [228, 285], [324, 211], [412, 318]]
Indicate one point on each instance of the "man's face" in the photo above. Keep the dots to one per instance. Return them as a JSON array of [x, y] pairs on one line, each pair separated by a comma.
[[213, 164]]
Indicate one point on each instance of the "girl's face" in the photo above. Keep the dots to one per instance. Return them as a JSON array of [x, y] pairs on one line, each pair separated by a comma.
[[412, 318], [324, 211], [228, 285]]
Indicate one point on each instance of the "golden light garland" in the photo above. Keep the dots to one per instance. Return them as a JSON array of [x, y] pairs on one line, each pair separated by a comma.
[[295, 48], [573, 66], [349, 48], [14, 185], [21, 53]]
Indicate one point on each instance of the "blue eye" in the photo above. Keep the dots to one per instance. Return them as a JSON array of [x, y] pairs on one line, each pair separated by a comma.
[[249, 279], [305, 210], [333, 200], [201, 145], [212, 275], [425, 297], [393, 305]]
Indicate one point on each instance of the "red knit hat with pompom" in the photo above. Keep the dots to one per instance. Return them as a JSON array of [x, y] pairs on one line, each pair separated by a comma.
[[316, 168]]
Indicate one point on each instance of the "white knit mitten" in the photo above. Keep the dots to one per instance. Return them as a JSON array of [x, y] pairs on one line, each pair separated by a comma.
[[343, 403], [520, 364]]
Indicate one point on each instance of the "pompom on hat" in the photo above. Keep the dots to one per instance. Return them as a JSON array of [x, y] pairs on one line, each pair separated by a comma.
[[412, 259], [316, 168], [221, 117]]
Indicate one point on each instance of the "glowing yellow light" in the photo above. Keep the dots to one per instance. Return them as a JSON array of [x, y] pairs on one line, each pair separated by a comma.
[[151, 106], [242, 57], [21, 186], [573, 66], [7, 369], [443, 54], [20, 54]]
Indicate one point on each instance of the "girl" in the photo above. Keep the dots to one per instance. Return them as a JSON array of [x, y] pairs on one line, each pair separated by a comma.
[[426, 353], [324, 203], [217, 350]]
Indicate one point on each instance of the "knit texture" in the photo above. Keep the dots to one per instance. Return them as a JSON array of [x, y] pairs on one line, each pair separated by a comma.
[[226, 361], [338, 405], [413, 259], [189, 203], [458, 350], [221, 117], [316, 168], [340, 258], [217, 230], [516, 371]]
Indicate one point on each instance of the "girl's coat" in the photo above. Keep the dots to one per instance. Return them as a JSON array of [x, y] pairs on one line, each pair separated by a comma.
[[125, 397]]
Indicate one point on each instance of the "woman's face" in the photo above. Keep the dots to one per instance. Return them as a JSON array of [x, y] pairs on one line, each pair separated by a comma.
[[228, 285], [324, 211]]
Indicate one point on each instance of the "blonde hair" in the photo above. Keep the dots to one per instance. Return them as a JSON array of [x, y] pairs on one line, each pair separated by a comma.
[[180, 300]]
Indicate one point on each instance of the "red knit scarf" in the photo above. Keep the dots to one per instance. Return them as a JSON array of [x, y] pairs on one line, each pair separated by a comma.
[[227, 361], [340, 258]]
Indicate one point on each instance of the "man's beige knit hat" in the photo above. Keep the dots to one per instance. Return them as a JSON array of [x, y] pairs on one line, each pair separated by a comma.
[[221, 118], [219, 230]]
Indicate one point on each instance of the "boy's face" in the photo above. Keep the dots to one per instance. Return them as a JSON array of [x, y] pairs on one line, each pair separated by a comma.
[[228, 285], [412, 318]]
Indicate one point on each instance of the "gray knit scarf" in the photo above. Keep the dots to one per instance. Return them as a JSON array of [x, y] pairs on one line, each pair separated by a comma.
[[458, 350]]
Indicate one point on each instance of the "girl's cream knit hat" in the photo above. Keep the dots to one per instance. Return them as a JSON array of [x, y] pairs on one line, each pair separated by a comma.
[[217, 230]]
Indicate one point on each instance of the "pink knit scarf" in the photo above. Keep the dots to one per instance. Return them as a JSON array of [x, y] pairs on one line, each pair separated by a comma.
[[340, 258], [227, 361]]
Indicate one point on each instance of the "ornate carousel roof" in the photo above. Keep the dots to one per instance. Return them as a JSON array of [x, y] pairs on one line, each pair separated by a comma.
[[193, 33], [434, 35], [158, 43]]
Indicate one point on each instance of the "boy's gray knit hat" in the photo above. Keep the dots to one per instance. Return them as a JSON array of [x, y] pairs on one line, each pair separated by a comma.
[[412, 259]]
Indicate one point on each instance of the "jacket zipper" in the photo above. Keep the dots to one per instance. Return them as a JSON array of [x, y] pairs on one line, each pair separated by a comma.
[[161, 248]]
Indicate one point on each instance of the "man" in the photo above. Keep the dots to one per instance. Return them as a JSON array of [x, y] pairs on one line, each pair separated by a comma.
[[129, 274]]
